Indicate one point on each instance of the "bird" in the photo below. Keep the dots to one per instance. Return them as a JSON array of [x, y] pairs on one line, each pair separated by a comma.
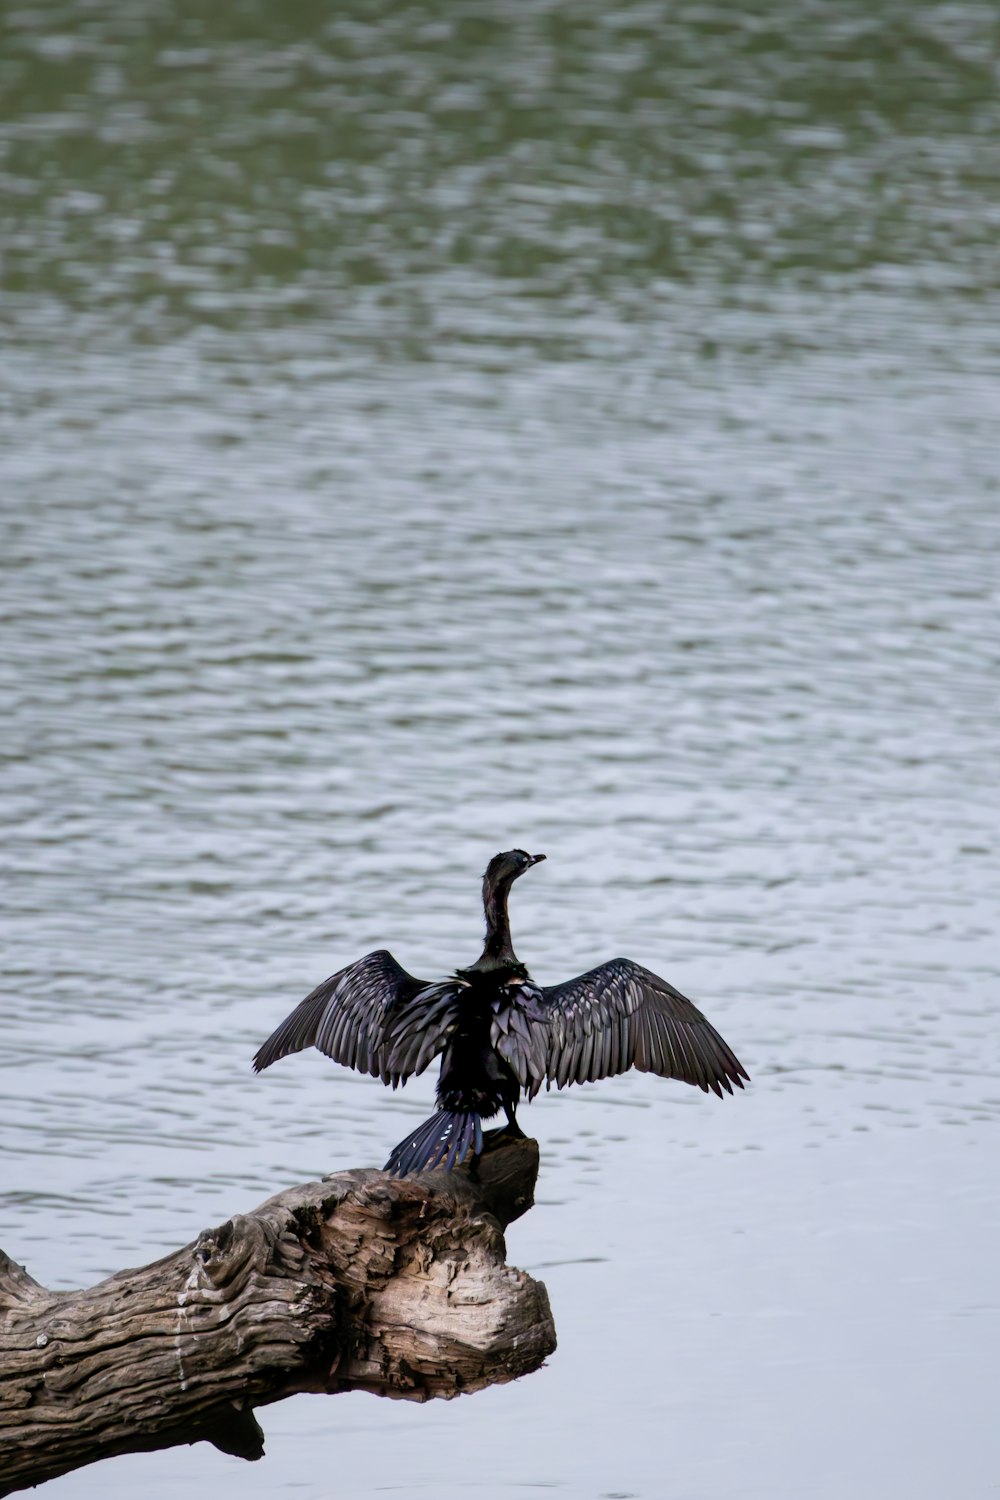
[[500, 1035]]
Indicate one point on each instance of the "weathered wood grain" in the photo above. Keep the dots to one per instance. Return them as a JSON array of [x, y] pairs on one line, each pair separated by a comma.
[[358, 1282]]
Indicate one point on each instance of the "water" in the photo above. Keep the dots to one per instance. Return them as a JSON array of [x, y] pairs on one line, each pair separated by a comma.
[[427, 431]]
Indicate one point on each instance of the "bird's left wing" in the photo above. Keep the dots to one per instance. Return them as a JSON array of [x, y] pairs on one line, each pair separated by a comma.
[[520, 1034], [620, 1016], [372, 1016]]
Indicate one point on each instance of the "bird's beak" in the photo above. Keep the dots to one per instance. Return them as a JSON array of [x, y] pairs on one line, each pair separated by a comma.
[[536, 859]]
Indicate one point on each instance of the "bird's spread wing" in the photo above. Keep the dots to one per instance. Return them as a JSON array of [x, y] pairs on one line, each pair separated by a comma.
[[621, 1016], [372, 1016]]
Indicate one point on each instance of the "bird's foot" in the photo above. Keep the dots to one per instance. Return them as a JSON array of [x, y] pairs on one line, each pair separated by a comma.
[[509, 1132]]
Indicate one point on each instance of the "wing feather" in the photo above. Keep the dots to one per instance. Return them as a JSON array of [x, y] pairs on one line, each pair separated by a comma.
[[518, 1032], [417, 1033], [619, 1016], [372, 1016]]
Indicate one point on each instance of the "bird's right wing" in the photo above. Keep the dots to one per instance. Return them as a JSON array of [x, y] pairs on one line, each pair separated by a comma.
[[372, 1016]]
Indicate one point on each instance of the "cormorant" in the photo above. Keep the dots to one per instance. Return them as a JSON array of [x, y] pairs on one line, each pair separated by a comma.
[[500, 1033]]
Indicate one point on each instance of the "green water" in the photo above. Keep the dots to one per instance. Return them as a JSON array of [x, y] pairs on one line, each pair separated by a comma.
[[389, 171]]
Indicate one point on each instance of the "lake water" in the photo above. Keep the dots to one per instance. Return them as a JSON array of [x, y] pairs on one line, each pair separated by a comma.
[[431, 429]]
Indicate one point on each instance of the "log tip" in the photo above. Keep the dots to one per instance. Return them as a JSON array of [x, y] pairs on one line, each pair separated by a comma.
[[501, 1182]]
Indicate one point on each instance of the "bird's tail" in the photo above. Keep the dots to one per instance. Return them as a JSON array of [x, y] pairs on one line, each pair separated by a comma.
[[444, 1140]]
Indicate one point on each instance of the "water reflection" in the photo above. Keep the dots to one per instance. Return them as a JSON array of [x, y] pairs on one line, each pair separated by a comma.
[[432, 431]]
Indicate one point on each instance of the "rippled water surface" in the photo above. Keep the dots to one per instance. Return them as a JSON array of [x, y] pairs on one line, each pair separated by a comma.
[[427, 430]]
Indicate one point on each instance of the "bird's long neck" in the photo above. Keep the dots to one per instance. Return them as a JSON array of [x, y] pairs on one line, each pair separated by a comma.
[[498, 945]]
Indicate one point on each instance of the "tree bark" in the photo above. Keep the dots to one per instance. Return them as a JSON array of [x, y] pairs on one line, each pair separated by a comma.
[[359, 1282]]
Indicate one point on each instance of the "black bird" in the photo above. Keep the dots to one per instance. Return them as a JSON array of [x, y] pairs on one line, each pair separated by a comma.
[[500, 1033]]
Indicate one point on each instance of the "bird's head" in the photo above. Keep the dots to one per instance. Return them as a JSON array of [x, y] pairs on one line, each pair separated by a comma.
[[503, 869]]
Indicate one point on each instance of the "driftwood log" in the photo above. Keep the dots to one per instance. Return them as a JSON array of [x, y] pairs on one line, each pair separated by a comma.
[[358, 1282]]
